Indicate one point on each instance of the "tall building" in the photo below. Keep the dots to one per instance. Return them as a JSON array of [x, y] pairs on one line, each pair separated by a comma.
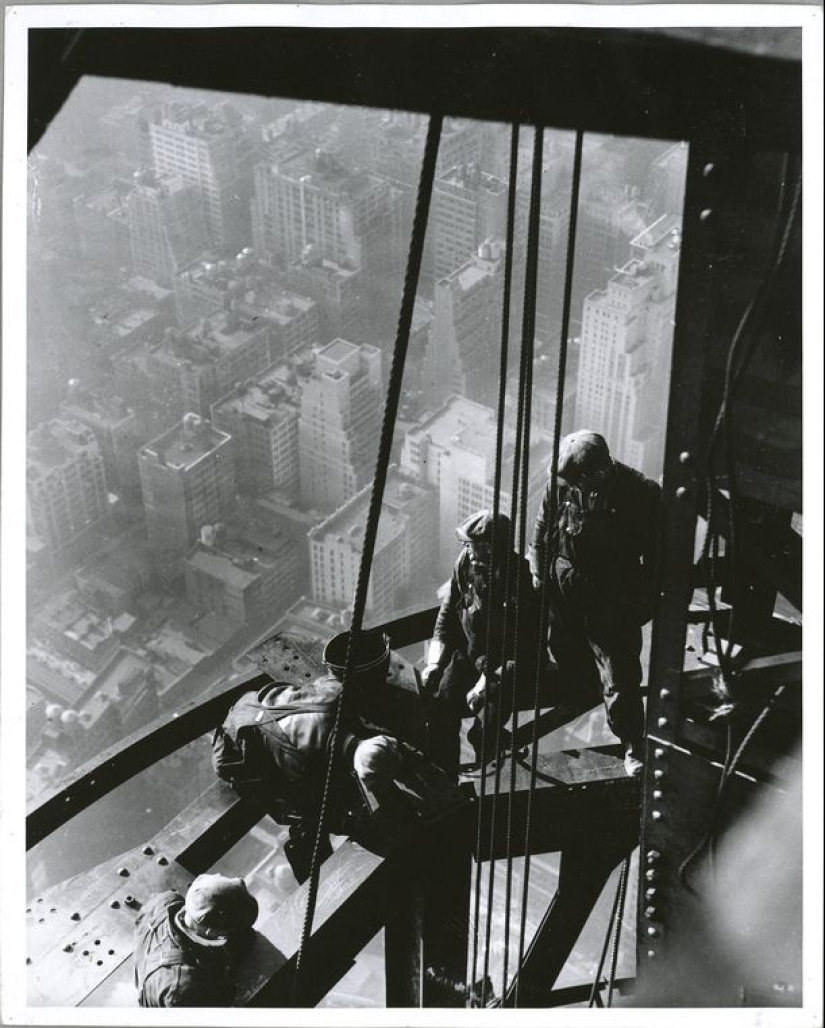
[[262, 418], [188, 480], [256, 292], [66, 495], [339, 423], [115, 427], [609, 217], [468, 206], [103, 234], [402, 560], [454, 451], [338, 291], [166, 225], [312, 200], [194, 369], [464, 348], [666, 180], [206, 148], [126, 127], [627, 335], [248, 573]]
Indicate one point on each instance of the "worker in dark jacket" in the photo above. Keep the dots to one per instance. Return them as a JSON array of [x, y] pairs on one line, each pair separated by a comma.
[[457, 673], [274, 746], [596, 541], [186, 947]]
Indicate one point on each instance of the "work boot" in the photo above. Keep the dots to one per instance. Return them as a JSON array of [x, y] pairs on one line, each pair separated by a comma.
[[298, 850], [492, 747], [633, 764]]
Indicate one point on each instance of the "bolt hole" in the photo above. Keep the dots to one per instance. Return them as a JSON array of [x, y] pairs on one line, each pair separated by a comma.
[[100, 963], [111, 952], [85, 953], [97, 942]]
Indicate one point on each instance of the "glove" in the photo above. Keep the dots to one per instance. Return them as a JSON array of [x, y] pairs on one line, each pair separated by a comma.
[[475, 697], [431, 679], [377, 761]]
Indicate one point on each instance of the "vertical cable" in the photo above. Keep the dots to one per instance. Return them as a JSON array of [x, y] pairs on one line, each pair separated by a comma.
[[622, 894], [494, 598], [422, 208], [543, 618], [521, 468]]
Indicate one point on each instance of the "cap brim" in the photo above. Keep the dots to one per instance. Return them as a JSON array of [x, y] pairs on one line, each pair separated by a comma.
[[201, 940]]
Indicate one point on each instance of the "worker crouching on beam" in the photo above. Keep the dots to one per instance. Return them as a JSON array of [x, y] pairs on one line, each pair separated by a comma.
[[187, 948], [458, 676], [596, 540], [274, 746]]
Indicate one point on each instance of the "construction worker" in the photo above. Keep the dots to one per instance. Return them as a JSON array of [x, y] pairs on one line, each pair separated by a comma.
[[274, 746], [186, 948], [596, 542], [457, 675]]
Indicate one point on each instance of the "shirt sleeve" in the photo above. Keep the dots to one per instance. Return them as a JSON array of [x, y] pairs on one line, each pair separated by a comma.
[[541, 530], [445, 622]]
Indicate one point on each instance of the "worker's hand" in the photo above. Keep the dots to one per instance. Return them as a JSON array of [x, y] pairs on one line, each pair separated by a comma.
[[377, 761], [475, 697], [431, 679]]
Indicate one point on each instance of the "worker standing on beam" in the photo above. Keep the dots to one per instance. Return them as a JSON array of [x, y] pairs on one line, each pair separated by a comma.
[[457, 675], [186, 948], [596, 540]]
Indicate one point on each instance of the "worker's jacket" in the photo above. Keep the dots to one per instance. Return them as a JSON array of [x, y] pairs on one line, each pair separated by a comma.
[[462, 622], [608, 538], [170, 969]]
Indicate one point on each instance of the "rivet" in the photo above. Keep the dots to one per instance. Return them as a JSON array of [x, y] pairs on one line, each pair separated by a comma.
[[650, 875], [28, 960], [163, 861], [658, 774], [650, 913], [651, 894], [652, 856], [656, 815], [651, 931], [681, 493], [659, 753], [148, 851], [68, 948], [657, 794], [662, 722], [651, 953], [100, 963], [685, 457], [75, 916], [115, 904], [664, 693], [123, 872], [706, 213]]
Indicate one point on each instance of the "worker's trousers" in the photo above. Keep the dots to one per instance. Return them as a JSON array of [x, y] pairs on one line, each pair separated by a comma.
[[595, 638]]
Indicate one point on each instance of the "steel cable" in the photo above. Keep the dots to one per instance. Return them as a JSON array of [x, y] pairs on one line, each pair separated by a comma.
[[544, 611], [376, 498], [495, 557]]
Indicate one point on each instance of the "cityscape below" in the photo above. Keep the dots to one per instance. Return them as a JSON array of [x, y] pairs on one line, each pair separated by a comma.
[[214, 283]]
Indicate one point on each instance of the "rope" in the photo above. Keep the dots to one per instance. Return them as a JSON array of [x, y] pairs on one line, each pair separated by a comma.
[[502, 395], [735, 367], [544, 607], [594, 989], [728, 771], [376, 498], [619, 921], [521, 465]]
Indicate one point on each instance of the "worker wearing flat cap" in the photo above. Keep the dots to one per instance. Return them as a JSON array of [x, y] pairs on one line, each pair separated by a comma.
[[457, 674], [596, 541], [186, 947]]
